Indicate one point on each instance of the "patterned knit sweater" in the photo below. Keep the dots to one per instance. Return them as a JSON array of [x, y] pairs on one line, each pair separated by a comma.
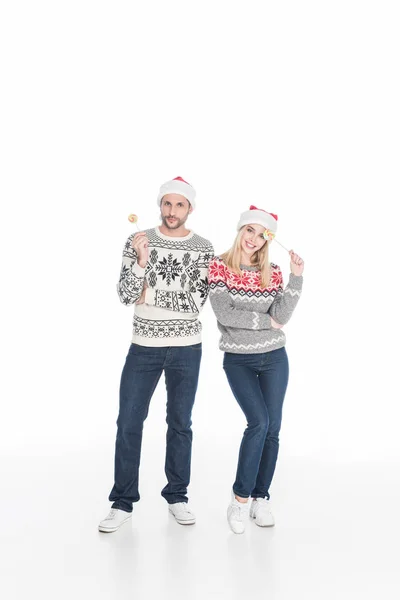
[[176, 274], [244, 309]]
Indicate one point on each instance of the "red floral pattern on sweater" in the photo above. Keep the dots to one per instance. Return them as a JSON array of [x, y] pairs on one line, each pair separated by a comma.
[[247, 280]]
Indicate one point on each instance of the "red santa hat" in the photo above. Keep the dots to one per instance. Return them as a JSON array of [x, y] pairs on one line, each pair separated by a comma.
[[259, 216], [177, 186]]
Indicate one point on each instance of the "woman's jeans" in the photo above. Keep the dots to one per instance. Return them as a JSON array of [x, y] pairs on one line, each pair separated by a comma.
[[258, 382], [141, 373]]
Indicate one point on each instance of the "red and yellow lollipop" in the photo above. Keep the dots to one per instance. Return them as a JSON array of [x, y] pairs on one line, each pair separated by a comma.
[[270, 236], [134, 219]]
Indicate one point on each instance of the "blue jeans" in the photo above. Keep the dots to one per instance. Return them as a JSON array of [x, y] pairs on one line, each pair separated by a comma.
[[258, 382], [141, 373]]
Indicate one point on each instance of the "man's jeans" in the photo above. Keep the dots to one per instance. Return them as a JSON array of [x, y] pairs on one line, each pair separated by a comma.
[[258, 382], [141, 373]]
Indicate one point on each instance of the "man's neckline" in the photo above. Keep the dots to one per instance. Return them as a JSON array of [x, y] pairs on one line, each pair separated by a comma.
[[172, 238]]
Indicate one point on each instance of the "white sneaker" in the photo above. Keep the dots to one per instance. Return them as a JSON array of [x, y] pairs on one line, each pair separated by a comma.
[[182, 513], [260, 510], [114, 520], [238, 514]]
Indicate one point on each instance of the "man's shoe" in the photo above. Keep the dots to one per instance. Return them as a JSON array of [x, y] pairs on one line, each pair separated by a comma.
[[114, 520], [182, 513], [238, 514], [260, 510]]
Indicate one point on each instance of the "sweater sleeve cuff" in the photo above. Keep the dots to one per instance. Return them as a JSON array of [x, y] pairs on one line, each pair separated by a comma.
[[265, 321], [138, 270], [150, 296], [296, 281]]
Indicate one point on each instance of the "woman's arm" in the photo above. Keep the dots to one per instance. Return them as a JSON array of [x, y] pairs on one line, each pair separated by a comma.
[[229, 316], [286, 301], [223, 306]]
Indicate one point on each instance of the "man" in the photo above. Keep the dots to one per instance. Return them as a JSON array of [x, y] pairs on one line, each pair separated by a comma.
[[165, 275]]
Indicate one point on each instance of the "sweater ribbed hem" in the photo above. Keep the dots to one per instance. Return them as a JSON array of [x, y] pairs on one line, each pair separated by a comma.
[[163, 342], [274, 343]]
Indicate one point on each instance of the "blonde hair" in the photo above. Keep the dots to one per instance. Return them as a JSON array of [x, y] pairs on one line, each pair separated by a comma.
[[259, 259]]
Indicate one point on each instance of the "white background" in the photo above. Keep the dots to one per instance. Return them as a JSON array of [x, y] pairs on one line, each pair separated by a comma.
[[291, 106]]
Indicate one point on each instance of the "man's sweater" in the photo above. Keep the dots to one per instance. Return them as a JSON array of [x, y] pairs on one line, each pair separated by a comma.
[[244, 308], [176, 274]]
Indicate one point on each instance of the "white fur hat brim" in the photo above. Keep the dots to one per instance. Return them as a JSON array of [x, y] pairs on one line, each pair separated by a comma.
[[177, 186], [260, 218]]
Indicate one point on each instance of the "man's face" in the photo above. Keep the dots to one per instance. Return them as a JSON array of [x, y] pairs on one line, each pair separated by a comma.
[[175, 209]]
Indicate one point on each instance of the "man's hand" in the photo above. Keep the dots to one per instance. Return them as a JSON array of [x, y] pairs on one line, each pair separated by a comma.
[[140, 243], [141, 299]]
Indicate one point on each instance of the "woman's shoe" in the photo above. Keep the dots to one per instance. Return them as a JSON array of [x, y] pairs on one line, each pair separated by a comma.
[[260, 510], [238, 514]]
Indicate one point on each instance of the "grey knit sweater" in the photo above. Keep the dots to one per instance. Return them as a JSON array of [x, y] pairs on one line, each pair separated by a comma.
[[244, 308]]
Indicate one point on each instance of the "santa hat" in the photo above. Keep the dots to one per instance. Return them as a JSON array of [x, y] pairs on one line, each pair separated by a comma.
[[177, 186], [259, 216]]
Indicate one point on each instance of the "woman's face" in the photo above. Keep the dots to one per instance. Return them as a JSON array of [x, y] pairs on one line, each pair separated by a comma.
[[252, 239]]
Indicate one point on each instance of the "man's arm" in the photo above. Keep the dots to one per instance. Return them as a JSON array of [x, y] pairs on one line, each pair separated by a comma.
[[191, 301], [131, 279]]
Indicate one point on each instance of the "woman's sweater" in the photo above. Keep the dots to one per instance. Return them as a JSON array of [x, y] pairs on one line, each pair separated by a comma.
[[244, 308]]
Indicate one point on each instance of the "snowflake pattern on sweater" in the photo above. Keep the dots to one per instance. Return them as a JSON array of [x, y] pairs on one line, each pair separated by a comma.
[[176, 276]]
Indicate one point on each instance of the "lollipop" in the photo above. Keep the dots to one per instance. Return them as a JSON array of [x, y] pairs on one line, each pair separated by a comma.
[[133, 219], [269, 236]]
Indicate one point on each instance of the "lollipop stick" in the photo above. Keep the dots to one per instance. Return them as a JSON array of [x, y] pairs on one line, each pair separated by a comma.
[[134, 219], [281, 245]]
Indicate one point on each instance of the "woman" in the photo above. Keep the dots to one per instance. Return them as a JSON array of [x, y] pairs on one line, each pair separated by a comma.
[[251, 305]]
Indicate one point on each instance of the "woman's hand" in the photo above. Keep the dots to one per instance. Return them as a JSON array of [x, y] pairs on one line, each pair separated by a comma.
[[140, 243], [275, 325], [296, 264]]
